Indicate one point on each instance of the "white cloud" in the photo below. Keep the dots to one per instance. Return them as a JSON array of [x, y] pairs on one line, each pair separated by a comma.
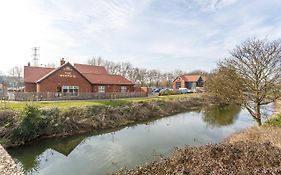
[[146, 33], [212, 5]]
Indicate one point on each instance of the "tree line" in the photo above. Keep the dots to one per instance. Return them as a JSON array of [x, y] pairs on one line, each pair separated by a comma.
[[141, 76]]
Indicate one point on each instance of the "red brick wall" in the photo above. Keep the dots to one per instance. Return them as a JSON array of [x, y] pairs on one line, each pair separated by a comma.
[[179, 79], [64, 77], [113, 88], [29, 87]]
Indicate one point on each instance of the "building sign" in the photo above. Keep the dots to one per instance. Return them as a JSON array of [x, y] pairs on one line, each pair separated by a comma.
[[67, 73]]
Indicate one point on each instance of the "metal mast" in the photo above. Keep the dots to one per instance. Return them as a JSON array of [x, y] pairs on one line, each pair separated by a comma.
[[35, 56]]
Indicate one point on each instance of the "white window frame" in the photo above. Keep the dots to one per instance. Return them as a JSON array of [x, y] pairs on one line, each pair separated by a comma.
[[101, 89], [73, 90], [123, 89]]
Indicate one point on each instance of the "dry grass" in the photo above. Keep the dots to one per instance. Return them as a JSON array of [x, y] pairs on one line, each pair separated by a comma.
[[215, 159], [259, 135]]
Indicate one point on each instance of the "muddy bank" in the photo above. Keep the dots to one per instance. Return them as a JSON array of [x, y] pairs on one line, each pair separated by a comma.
[[19, 128], [255, 150], [7, 165]]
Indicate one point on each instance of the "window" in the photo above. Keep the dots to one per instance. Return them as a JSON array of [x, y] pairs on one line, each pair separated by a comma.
[[123, 88], [73, 90], [200, 82], [101, 89], [189, 85], [178, 85]]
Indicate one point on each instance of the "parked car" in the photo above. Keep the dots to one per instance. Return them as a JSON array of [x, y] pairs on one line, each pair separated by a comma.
[[184, 90], [156, 90]]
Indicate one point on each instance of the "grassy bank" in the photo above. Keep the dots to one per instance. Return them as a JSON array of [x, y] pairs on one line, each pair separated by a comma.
[[19, 106], [18, 127]]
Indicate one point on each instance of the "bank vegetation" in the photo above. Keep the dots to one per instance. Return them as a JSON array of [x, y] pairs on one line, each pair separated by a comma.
[[20, 127]]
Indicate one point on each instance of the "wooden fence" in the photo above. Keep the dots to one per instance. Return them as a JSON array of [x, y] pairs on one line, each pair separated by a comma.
[[54, 96]]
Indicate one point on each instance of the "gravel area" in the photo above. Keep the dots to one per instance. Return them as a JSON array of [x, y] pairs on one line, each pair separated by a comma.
[[7, 165], [247, 152]]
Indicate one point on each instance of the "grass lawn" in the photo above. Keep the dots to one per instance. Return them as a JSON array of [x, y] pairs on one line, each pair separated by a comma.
[[78, 103]]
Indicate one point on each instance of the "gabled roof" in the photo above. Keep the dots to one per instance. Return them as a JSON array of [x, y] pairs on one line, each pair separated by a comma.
[[53, 71], [33, 74], [107, 79], [204, 78], [89, 72], [190, 78], [86, 68]]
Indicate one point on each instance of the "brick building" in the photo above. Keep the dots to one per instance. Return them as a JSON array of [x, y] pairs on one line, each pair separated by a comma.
[[77, 78], [189, 81]]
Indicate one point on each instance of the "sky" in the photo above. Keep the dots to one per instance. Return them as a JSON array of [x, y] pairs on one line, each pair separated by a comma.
[[153, 34]]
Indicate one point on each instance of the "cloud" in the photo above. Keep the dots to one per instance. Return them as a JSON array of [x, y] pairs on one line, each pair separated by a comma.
[[147, 33]]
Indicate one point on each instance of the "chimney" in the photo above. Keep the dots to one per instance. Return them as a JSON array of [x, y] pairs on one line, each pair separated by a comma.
[[62, 61], [28, 64]]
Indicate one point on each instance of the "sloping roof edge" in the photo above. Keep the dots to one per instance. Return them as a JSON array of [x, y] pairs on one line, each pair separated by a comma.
[[27, 78], [88, 76], [55, 70], [183, 77]]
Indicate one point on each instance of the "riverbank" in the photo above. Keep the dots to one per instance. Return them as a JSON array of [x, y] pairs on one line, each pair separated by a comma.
[[7, 164], [18, 128], [255, 150]]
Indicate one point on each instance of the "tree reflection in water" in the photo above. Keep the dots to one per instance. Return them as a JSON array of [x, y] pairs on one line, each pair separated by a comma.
[[217, 116]]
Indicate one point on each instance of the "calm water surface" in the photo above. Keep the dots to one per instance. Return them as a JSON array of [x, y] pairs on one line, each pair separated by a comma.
[[102, 153]]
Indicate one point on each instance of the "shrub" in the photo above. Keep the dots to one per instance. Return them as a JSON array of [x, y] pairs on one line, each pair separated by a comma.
[[275, 120], [169, 92], [31, 125]]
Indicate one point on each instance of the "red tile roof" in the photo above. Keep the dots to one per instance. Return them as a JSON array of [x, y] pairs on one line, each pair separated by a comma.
[[58, 68], [190, 78], [107, 79], [85, 68], [37, 74], [32, 74]]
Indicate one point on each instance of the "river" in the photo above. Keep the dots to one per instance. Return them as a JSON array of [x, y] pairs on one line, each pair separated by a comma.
[[107, 151]]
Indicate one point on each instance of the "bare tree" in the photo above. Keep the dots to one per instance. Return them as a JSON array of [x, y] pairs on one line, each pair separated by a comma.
[[198, 72], [251, 76], [137, 75], [50, 65], [16, 75]]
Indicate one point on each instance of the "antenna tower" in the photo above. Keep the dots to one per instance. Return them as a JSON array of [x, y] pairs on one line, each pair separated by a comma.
[[35, 56]]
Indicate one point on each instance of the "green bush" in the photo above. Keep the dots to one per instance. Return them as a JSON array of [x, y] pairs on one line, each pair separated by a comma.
[[31, 125], [169, 92], [275, 120]]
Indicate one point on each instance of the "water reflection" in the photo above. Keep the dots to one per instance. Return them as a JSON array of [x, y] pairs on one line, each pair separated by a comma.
[[217, 116], [62, 145], [102, 153]]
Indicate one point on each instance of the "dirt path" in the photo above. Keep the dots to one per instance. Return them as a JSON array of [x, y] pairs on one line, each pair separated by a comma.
[[7, 165]]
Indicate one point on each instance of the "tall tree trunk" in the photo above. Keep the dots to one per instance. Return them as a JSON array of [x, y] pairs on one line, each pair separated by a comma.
[[258, 114]]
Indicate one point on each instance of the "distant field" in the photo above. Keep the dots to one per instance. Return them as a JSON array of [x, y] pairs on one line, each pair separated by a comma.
[[78, 103]]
